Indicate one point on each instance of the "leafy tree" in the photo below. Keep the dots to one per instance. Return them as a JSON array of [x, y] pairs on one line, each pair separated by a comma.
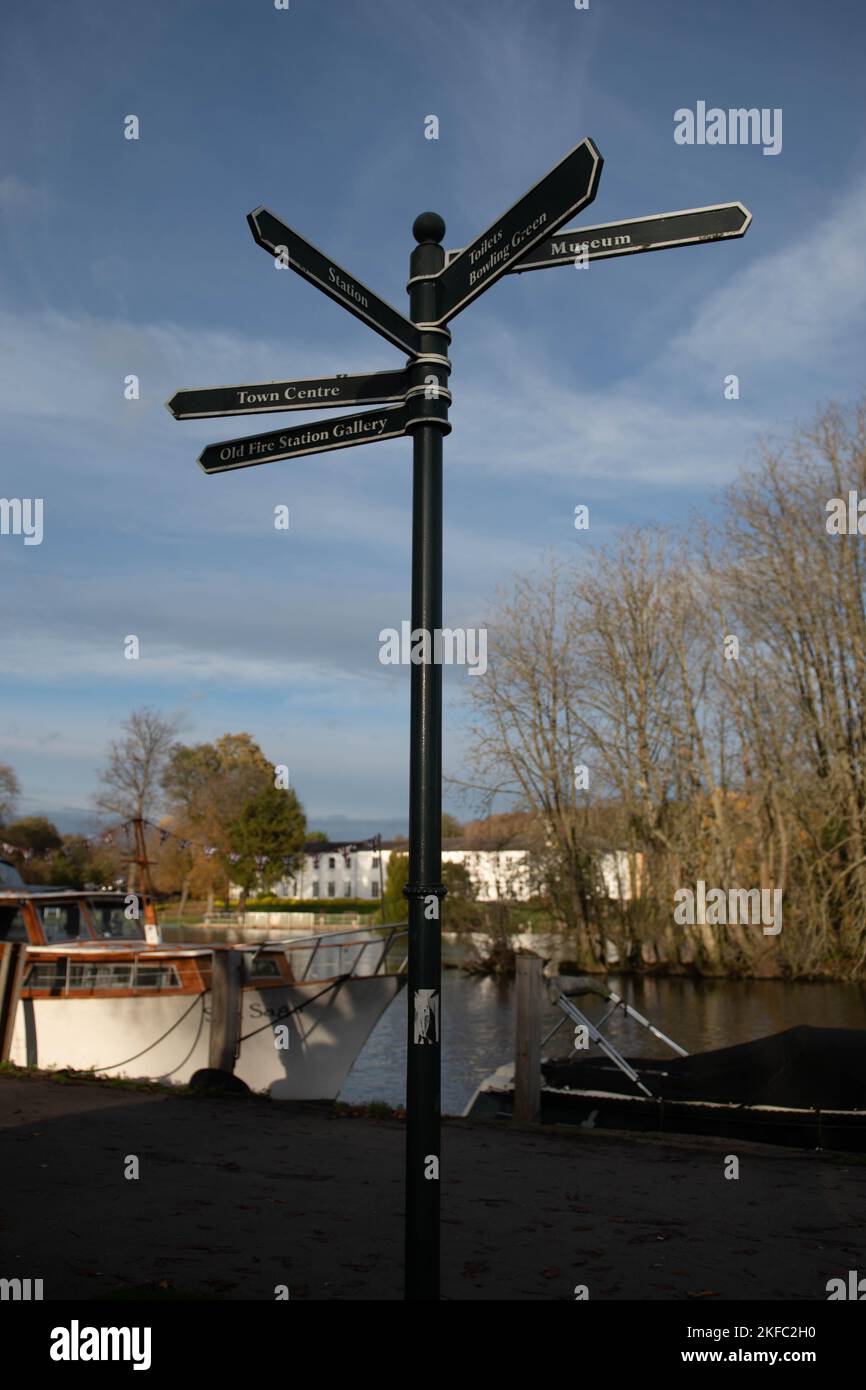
[[317, 837], [35, 833], [394, 905], [206, 785], [269, 835], [76, 865], [461, 910], [451, 826]]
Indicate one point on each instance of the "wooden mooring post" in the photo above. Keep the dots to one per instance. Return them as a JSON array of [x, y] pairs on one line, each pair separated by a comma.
[[527, 1062], [225, 1006], [13, 955]]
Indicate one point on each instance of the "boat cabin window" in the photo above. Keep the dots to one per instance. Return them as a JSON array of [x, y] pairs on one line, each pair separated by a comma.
[[157, 977], [260, 967], [12, 924], [111, 922], [96, 974], [63, 922], [46, 974], [100, 975]]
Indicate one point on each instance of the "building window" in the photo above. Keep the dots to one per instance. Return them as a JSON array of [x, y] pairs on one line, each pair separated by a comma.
[[374, 891], [374, 862], [315, 890], [347, 889], [332, 889], [348, 861], [332, 863]]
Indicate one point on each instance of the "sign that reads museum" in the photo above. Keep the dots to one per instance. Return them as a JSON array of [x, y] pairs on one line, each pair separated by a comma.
[[281, 241], [316, 438], [374, 388], [570, 186], [656, 233]]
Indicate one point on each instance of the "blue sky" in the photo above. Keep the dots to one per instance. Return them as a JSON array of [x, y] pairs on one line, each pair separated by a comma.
[[604, 387]]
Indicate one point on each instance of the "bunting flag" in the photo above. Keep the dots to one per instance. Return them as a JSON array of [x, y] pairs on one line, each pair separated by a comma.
[[110, 837]]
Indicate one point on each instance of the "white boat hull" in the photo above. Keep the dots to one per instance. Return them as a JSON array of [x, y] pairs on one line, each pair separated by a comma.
[[166, 1038]]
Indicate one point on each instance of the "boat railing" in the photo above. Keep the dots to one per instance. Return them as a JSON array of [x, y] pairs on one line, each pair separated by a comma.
[[333, 956]]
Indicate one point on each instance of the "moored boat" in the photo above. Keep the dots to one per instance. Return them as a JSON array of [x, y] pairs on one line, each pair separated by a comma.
[[804, 1087], [97, 995]]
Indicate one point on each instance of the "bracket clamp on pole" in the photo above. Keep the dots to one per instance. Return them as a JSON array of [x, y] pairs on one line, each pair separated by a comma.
[[417, 890]]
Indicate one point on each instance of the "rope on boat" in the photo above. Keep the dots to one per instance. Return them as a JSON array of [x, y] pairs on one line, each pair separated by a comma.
[[272, 1022], [199, 999]]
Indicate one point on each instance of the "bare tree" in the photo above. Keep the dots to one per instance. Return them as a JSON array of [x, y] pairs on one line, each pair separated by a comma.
[[130, 781], [525, 736], [717, 695]]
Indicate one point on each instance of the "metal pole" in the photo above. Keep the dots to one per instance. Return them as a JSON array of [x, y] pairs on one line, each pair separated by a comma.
[[424, 889]]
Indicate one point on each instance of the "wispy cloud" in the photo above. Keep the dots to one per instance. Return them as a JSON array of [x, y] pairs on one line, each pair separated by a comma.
[[17, 196]]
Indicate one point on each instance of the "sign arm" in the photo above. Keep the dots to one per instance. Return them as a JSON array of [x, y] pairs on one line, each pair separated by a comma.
[[301, 255]]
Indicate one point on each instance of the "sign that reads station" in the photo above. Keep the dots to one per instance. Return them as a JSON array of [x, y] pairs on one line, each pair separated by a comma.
[[569, 186], [656, 233], [375, 388], [278, 239], [317, 438]]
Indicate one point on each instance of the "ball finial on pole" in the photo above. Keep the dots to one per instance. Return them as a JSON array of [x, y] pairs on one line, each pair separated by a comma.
[[428, 226]]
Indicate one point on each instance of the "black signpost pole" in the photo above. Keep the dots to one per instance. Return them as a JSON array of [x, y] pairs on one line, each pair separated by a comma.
[[424, 889], [415, 401]]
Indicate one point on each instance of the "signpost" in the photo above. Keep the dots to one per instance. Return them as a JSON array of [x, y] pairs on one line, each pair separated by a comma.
[[522, 239]]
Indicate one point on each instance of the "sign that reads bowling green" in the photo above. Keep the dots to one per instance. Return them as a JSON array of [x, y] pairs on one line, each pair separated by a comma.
[[317, 438], [569, 186], [373, 388]]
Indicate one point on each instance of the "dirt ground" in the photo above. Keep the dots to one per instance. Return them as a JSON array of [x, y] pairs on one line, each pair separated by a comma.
[[237, 1196]]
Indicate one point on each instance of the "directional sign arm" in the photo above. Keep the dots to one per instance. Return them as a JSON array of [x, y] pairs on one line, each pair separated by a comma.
[[339, 432], [570, 186], [278, 239], [661, 232], [266, 397]]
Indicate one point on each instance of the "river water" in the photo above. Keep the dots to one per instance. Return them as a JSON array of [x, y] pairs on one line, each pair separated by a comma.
[[478, 1025]]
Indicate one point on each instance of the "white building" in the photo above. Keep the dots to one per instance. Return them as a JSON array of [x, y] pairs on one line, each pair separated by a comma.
[[338, 869], [343, 869]]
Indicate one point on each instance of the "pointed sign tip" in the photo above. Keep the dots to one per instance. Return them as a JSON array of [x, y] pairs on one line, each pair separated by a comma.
[[253, 221]]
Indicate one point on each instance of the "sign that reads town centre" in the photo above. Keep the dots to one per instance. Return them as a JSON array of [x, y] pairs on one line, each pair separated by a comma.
[[375, 388], [569, 186], [281, 241], [316, 438]]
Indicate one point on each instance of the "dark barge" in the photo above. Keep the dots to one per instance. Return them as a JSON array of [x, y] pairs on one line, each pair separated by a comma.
[[805, 1087]]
